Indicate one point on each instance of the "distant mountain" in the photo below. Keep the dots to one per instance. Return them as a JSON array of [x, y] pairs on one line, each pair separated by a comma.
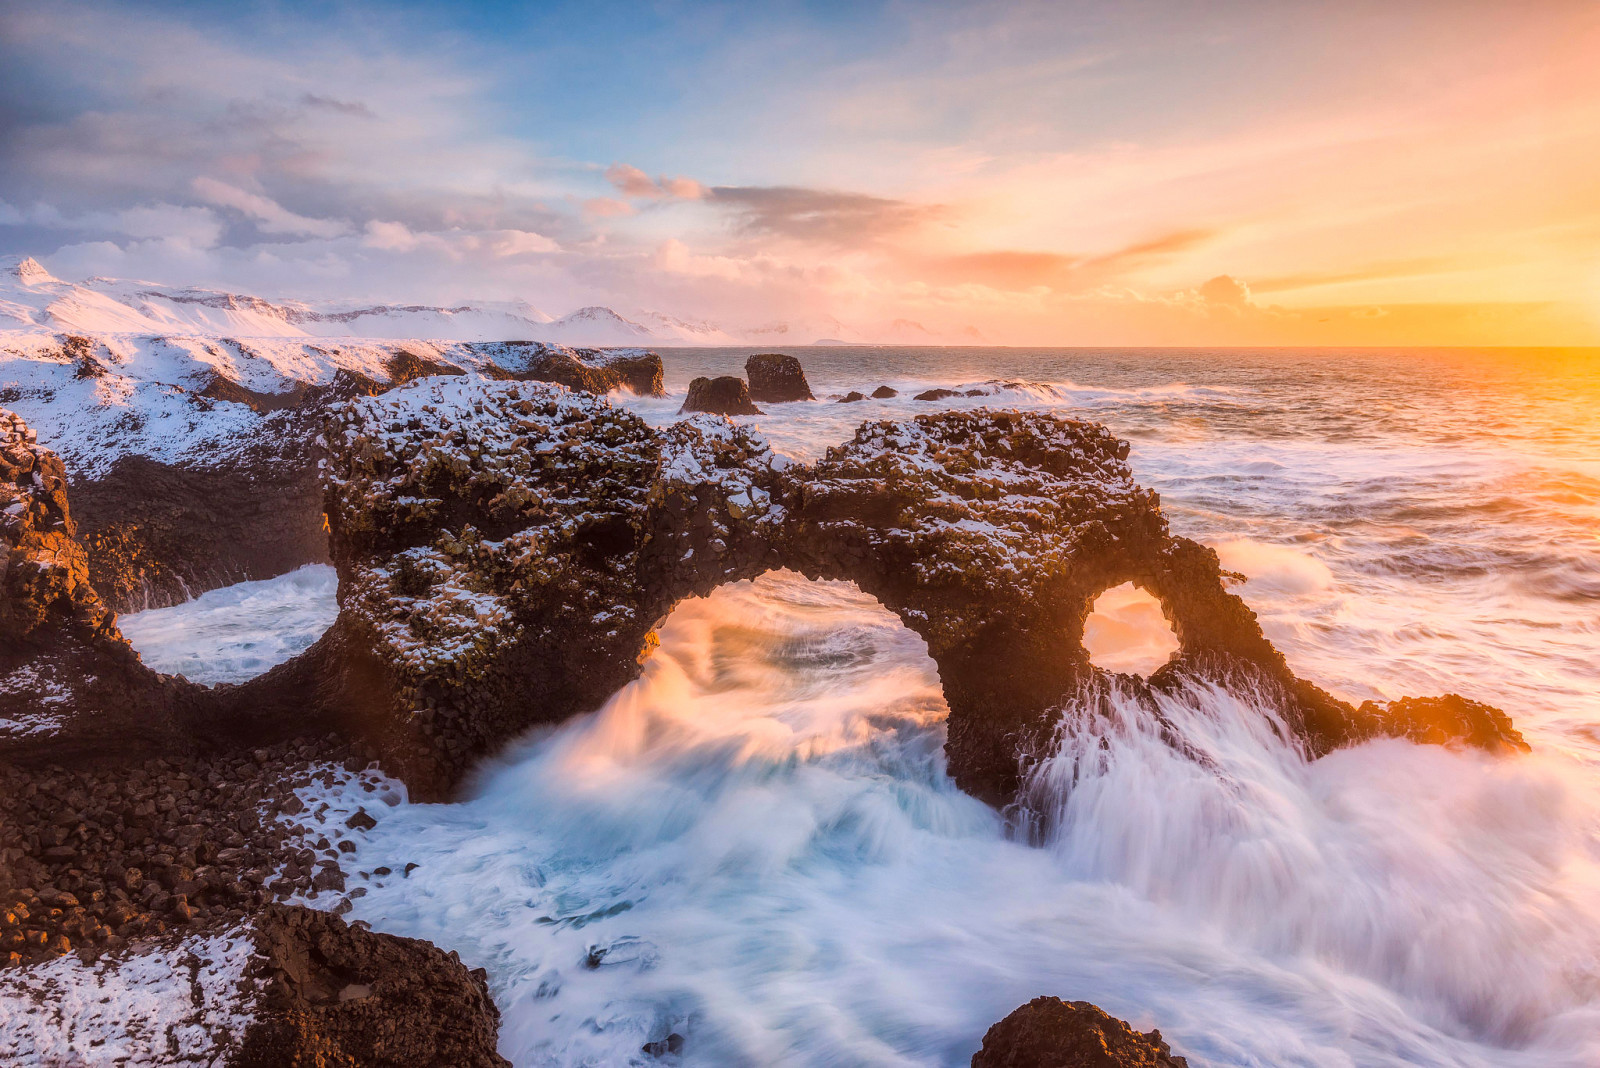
[[31, 299]]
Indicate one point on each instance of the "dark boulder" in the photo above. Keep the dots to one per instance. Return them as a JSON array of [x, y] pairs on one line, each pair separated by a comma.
[[885, 392], [336, 994], [936, 394], [1051, 1033], [726, 395], [775, 377], [852, 397]]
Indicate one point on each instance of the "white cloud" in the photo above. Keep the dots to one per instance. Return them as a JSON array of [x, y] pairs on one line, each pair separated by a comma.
[[270, 216]]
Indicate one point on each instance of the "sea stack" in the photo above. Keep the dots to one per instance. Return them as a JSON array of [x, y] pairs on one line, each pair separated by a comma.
[[726, 395], [775, 377]]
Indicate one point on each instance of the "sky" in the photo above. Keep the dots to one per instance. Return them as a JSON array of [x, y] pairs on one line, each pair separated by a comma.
[[1070, 173]]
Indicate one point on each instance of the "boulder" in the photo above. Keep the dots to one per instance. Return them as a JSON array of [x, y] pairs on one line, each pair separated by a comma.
[[726, 395], [1051, 1033], [936, 394], [852, 397], [885, 392], [775, 377]]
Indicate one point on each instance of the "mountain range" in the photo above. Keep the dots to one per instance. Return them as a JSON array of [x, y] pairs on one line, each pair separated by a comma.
[[32, 300]]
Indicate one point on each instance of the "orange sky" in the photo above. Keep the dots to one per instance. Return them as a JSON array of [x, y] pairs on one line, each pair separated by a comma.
[[1424, 173]]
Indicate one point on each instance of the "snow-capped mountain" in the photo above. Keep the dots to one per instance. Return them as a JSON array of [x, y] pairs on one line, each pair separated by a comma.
[[33, 299]]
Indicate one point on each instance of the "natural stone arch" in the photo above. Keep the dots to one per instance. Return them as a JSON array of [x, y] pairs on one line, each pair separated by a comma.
[[505, 550]]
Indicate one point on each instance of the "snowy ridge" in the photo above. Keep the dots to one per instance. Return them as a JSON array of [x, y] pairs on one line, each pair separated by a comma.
[[107, 396], [32, 299]]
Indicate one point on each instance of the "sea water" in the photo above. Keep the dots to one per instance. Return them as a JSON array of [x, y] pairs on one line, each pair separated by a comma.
[[756, 846]]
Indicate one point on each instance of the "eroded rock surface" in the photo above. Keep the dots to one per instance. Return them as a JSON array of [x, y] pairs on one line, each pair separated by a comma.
[[1051, 1033], [726, 395], [505, 551], [776, 377]]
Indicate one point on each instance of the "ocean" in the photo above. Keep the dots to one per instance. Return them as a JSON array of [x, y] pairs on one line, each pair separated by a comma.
[[756, 846]]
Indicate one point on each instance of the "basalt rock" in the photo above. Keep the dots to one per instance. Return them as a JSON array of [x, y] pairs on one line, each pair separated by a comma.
[[287, 987], [936, 394], [726, 395], [68, 681], [885, 392], [1051, 1033], [589, 370], [505, 552], [776, 377], [852, 397]]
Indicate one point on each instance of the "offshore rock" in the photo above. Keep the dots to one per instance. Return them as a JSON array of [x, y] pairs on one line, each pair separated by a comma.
[[506, 550], [776, 377], [1051, 1033], [289, 986], [726, 395]]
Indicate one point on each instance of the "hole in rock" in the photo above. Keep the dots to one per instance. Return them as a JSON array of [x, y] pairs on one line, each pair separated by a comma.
[[237, 632], [1126, 632], [776, 670]]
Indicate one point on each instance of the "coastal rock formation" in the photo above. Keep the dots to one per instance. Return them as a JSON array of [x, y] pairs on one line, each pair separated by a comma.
[[936, 394], [775, 377], [885, 392], [1051, 1033], [852, 397], [289, 986], [506, 550], [192, 460], [726, 395]]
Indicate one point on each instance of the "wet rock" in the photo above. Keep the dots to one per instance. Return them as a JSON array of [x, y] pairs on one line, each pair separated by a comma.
[[719, 396], [776, 377], [936, 394], [1051, 1033], [884, 393], [852, 397]]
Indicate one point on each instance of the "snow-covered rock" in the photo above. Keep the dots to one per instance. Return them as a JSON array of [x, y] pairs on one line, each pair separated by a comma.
[[286, 986]]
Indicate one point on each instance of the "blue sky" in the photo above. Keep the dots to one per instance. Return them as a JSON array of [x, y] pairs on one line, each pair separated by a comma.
[[1042, 172]]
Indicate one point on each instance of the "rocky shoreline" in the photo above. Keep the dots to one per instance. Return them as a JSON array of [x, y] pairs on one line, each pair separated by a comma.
[[506, 548]]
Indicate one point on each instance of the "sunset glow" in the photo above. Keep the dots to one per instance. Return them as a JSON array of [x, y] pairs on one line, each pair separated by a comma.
[[1355, 174]]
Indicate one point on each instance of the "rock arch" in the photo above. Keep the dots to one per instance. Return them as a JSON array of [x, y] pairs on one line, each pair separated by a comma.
[[506, 549]]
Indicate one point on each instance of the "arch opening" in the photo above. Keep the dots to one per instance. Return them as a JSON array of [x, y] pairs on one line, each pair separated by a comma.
[[777, 668], [1127, 632], [235, 633]]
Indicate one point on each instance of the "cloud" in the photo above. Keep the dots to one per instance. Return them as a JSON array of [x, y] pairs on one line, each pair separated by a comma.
[[1013, 269], [389, 236], [607, 207], [1226, 291], [630, 181], [270, 216], [819, 215]]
